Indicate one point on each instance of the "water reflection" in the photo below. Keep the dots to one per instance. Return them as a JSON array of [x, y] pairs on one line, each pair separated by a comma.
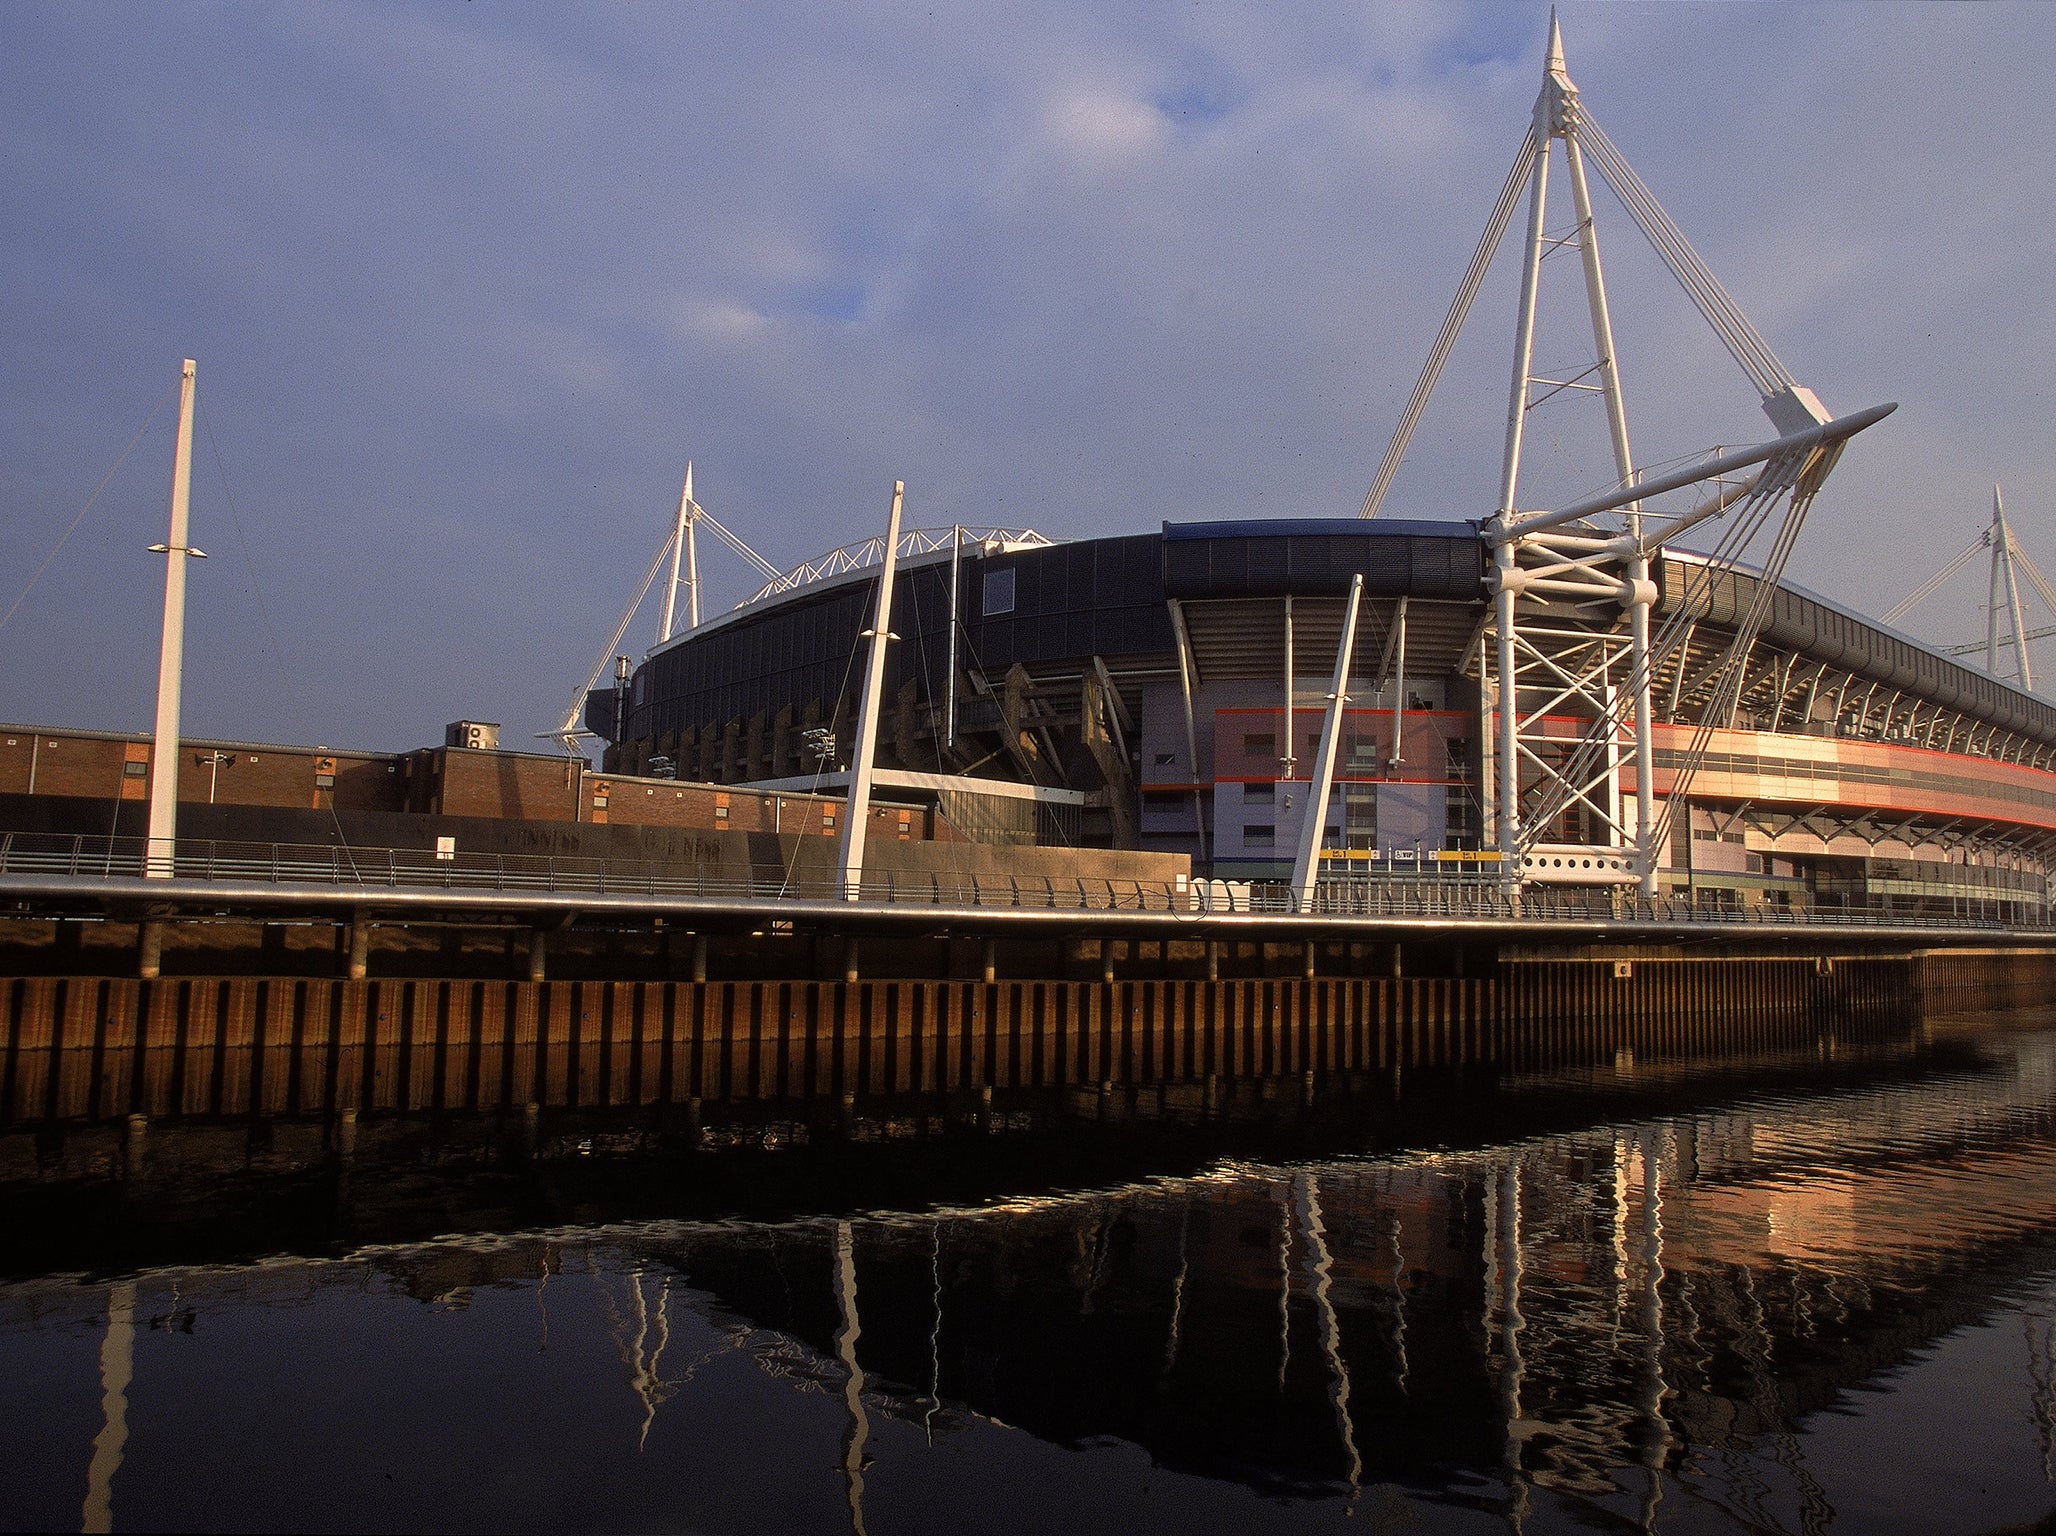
[[1789, 1303]]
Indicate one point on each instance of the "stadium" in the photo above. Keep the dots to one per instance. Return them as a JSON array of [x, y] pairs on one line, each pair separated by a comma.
[[1620, 691], [1132, 692]]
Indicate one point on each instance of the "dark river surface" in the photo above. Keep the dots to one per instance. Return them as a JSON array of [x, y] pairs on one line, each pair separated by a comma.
[[1798, 1291]]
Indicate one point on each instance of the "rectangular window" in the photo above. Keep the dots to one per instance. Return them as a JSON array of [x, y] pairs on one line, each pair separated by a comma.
[[1260, 744], [999, 592], [1360, 811], [1263, 836], [1259, 794]]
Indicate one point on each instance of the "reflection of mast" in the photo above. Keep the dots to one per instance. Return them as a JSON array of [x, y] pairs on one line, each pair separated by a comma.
[[935, 1334], [2041, 1375], [642, 1362], [1656, 1441], [1398, 1304], [117, 1366], [858, 1430], [1510, 1325], [1621, 1263], [1178, 1285], [647, 1380], [1331, 1332], [1284, 1283]]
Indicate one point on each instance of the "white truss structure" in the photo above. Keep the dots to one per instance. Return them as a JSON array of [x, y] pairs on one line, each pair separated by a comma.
[[866, 553], [681, 547], [2009, 564], [1567, 658]]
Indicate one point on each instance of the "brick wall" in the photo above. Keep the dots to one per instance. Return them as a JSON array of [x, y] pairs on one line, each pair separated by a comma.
[[511, 786], [712, 808], [431, 781], [100, 765]]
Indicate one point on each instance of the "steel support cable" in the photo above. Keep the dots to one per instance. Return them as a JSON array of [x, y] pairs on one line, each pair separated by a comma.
[[1459, 308], [1740, 533], [736, 542], [628, 615], [1721, 312], [1720, 309], [1745, 636], [2034, 576], [1763, 368], [80, 516], [1927, 589]]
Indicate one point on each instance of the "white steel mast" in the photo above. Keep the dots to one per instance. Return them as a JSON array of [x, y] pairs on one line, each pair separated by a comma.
[[2005, 583], [158, 862], [1573, 599], [684, 546], [1314, 825], [850, 866]]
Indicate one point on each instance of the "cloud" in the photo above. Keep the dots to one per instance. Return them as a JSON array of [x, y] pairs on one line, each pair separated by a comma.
[[469, 285]]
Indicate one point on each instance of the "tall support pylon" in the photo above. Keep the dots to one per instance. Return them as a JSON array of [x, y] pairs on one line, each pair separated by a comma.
[[2005, 585], [1314, 824], [1556, 118], [162, 845], [1567, 673], [685, 551], [856, 815]]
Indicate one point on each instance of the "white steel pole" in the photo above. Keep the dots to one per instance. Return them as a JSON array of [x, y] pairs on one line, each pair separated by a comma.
[[2027, 675], [692, 551], [1315, 824], [1398, 689], [850, 867], [1508, 767], [1524, 332], [1640, 592], [1997, 535], [956, 591], [163, 834], [1288, 759], [664, 628]]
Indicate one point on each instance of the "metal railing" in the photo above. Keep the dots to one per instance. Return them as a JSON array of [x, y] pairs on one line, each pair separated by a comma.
[[369, 870]]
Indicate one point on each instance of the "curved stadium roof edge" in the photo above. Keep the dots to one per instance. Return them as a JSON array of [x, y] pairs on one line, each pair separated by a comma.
[[1321, 553]]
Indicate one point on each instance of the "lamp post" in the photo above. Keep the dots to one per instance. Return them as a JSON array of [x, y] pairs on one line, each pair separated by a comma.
[[163, 833]]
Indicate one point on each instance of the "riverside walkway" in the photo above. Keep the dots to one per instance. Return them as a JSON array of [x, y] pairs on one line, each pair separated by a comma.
[[48, 875]]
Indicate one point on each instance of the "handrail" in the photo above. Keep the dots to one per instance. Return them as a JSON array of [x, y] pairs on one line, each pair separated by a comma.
[[204, 862]]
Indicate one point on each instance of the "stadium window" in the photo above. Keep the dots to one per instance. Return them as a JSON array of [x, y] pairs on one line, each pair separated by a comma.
[[1259, 794], [1260, 744], [999, 592], [1261, 836]]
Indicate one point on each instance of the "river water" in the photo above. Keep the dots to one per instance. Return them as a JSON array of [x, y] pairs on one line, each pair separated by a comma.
[[1805, 1290]]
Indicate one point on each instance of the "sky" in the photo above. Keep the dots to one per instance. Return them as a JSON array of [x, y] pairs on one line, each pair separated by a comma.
[[468, 284]]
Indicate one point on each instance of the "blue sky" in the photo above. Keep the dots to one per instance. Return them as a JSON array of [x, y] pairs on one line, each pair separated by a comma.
[[468, 284]]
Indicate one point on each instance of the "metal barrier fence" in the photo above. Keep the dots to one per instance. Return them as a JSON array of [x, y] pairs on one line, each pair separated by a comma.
[[367, 870]]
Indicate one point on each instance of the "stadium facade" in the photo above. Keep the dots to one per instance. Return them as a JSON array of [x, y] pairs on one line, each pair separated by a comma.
[[1133, 692]]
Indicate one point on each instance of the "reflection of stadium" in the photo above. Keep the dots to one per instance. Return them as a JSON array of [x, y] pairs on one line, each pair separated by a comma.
[[1129, 691], [1545, 1313]]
